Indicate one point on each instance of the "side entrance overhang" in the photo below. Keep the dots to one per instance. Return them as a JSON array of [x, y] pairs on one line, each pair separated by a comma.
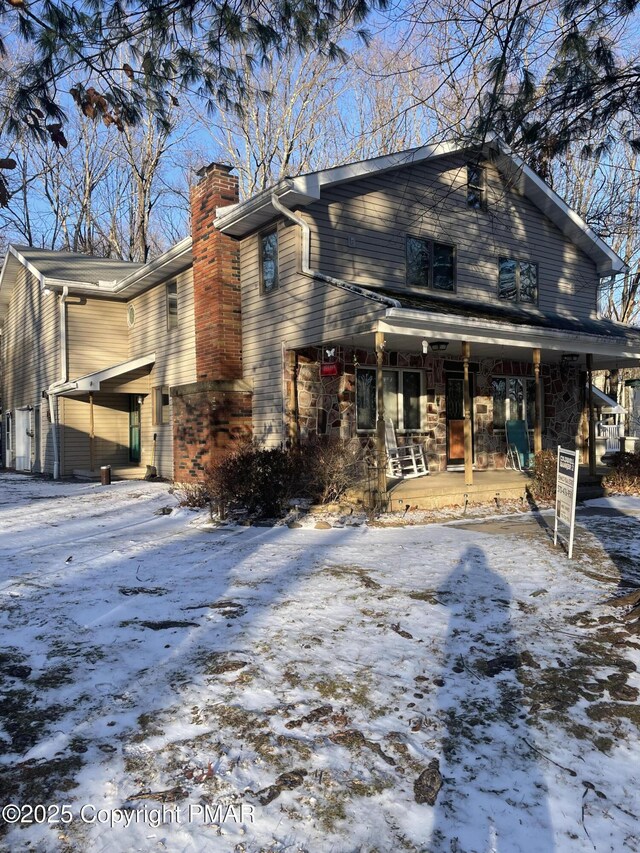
[[101, 415]]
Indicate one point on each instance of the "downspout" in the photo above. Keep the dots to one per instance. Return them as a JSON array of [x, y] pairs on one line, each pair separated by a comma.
[[387, 301], [51, 391]]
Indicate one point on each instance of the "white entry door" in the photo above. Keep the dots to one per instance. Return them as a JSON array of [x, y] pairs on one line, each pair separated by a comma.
[[23, 440]]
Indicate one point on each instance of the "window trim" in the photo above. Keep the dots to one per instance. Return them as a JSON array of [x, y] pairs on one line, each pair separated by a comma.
[[172, 298], [8, 432], [481, 188], [400, 428], [507, 376], [261, 238], [431, 242], [158, 407], [517, 262]]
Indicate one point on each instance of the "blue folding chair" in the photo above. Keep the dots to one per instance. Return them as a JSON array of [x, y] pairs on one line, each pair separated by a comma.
[[518, 447]]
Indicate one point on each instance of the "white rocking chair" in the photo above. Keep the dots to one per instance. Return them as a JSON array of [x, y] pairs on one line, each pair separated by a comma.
[[403, 462]]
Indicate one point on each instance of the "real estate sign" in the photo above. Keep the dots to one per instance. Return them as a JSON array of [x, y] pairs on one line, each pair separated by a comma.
[[566, 491]]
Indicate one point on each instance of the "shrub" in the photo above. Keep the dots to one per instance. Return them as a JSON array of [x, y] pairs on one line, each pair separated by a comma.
[[193, 495], [624, 479], [264, 481], [544, 475], [260, 481], [330, 468]]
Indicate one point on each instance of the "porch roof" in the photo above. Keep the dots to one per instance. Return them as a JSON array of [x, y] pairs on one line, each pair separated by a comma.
[[91, 381], [604, 401], [502, 325]]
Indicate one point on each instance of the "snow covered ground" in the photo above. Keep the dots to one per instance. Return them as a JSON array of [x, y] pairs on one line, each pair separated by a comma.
[[170, 684]]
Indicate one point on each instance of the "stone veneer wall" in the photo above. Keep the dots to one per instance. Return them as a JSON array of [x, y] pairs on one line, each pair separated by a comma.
[[327, 405]]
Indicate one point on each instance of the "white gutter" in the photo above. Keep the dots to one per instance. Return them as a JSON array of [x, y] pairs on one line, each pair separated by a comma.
[[412, 322], [318, 276], [172, 254]]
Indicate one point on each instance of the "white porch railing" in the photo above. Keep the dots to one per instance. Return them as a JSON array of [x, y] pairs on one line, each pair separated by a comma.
[[612, 433]]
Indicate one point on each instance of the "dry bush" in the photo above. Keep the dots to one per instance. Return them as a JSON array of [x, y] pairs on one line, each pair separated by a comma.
[[264, 481], [544, 475], [624, 479], [192, 495]]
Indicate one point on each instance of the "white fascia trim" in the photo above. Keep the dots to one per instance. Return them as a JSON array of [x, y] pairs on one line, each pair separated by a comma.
[[376, 165], [25, 263], [617, 264], [114, 286], [91, 382], [451, 328], [306, 188], [172, 254], [233, 214]]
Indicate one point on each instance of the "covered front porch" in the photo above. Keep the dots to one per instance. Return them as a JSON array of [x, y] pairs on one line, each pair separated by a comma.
[[451, 380]]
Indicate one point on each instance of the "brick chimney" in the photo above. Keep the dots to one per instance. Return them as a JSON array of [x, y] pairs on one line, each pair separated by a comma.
[[212, 414], [216, 278]]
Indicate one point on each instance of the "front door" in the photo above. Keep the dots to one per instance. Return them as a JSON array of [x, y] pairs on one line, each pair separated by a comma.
[[134, 430], [23, 440], [455, 420]]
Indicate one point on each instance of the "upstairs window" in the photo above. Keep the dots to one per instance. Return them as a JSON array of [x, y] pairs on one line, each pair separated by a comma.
[[476, 186], [430, 264], [172, 305], [269, 261], [518, 281]]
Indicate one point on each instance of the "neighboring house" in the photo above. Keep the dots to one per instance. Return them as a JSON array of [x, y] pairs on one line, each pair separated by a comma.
[[447, 288], [89, 349]]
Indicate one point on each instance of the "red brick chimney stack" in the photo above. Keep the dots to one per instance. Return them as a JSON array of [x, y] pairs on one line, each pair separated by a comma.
[[216, 278]]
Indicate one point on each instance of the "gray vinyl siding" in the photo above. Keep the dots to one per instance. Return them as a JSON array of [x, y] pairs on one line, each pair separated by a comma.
[[175, 362], [429, 200], [301, 312], [30, 362]]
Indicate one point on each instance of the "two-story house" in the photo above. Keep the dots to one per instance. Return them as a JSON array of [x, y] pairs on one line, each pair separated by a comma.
[[446, 287], [434, 272]]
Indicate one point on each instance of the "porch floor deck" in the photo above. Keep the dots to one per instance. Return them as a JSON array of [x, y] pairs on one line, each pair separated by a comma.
[[447, 488]]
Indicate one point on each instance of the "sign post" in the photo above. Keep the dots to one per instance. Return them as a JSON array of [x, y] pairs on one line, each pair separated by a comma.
[[566, 491]]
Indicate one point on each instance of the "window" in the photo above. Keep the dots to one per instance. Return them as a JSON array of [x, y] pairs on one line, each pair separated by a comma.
[[476, 187], [402, 390], [8, 446], [172, 305], [514, 399], [430, 264], [269, 261], [161, 405], [518, 281], [131, 316]]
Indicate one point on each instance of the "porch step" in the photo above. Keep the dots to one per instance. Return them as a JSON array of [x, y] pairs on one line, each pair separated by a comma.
[[117, 473]]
